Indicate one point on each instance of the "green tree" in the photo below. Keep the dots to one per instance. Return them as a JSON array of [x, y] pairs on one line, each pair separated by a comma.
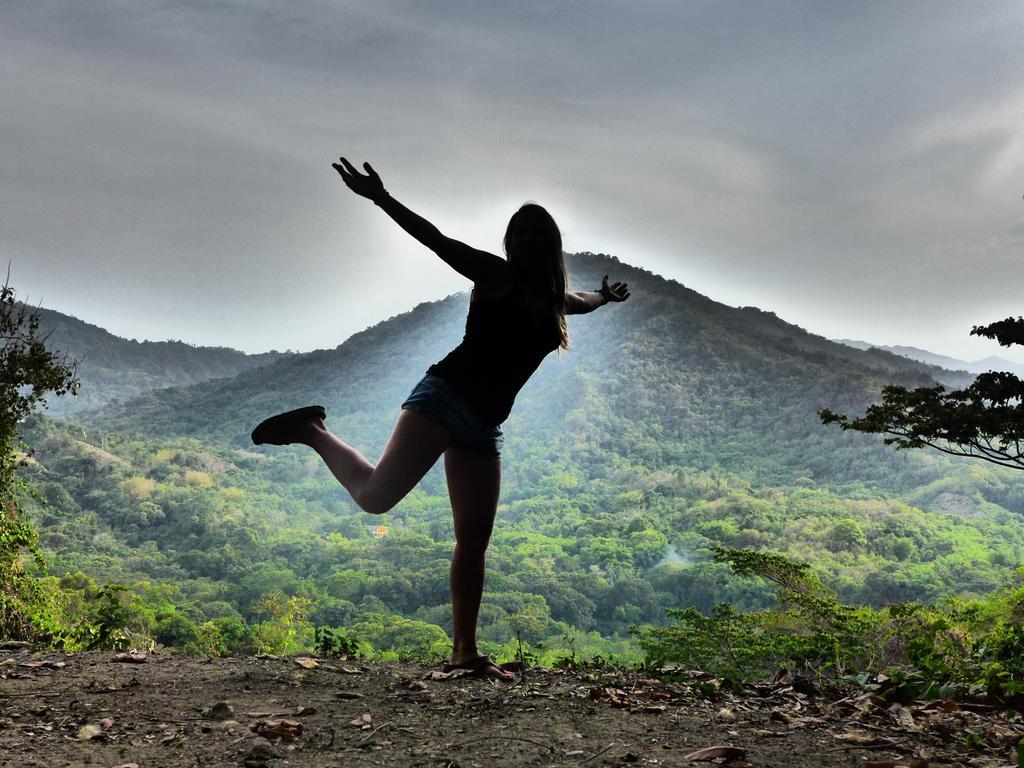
[[29, 607], [984, 420]]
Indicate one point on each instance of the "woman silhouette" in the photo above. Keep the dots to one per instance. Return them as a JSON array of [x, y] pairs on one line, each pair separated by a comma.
[[516, 317]]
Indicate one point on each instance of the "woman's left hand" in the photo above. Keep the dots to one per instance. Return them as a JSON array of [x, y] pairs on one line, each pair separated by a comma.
[[368, 185], [613, 292]]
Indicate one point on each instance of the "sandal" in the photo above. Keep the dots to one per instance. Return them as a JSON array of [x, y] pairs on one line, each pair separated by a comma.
[[278, 430], [477, 667]]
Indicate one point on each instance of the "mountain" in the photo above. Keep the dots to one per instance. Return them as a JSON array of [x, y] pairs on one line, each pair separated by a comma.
[[673, 377], [993, 363], [673, 424], [115, 369]]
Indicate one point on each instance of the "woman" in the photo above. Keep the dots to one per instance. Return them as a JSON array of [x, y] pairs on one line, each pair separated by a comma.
[[516, 317]]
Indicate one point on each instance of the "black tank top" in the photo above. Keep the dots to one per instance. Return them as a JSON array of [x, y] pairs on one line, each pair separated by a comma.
[[502, 347]]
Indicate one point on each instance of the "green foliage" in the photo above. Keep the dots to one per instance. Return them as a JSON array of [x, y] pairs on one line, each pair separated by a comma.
[[29, 608], [962, 648], [984, 420], [809, 628], [284, 628], [107, 626], [1007, 332], [332, 642]]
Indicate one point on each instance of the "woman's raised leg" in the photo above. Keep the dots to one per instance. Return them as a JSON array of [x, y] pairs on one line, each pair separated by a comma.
[[474, 482], [415, 445]]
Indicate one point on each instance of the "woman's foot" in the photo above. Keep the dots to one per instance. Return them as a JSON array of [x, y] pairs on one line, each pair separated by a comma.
[[289, 427], [479, 665]]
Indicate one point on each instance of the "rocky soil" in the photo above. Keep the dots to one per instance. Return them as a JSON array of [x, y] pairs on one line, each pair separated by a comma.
[[164, 711]]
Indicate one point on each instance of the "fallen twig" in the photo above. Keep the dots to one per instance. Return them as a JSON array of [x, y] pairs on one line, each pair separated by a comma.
[[507, 738], [597, 754], [370, 735]]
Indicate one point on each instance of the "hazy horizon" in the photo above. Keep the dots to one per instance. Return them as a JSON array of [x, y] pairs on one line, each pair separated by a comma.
[[1003, 353], [856, 169]]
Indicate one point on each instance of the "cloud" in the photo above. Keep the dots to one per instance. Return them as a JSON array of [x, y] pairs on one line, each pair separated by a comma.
[[829, 162]]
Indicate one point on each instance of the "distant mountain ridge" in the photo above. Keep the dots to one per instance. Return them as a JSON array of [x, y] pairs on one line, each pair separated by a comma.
[[671, 378], [115, 369], [992, 363]]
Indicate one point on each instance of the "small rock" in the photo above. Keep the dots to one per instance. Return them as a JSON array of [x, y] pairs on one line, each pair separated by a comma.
[[89, 732], [221, 711], [261, 750]]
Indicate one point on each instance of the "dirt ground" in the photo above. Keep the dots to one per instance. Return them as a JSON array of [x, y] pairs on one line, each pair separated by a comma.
[[169, 711]]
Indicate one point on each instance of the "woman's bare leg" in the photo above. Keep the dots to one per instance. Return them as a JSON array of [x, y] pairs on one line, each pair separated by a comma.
[[474, 482], [414, 447]]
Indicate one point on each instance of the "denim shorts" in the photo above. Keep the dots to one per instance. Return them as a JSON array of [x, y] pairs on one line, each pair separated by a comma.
[[436, 399]]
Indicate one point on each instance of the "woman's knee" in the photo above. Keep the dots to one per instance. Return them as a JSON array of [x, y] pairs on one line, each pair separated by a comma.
[[473, 544], [373, 501]]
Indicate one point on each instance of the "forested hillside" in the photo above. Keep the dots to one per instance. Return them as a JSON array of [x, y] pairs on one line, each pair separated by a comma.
[[115, 369], [671, 378], [673, 425]]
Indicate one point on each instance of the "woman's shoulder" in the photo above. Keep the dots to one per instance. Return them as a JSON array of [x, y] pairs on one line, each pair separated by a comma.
[[499, 289]]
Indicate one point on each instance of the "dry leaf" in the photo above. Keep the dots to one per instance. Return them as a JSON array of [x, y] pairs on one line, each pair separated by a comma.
[[131, 657], [286, 730], [364, 719], [903, 717], [867, 741], [44, 663], [437, 675], [713, 753], [306, 662], [415, 685]]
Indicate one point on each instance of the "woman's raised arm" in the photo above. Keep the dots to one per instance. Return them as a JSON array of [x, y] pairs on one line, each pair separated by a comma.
[[479, 266], [581, 302]]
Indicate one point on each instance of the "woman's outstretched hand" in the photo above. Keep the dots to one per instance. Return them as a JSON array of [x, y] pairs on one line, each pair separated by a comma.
[[613, 292], [367, 185]]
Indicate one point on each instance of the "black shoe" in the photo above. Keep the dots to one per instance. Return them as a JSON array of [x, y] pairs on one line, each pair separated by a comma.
[[278, 430]]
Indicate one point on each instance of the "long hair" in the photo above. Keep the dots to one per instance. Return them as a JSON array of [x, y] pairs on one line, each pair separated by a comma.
[[533, 247]]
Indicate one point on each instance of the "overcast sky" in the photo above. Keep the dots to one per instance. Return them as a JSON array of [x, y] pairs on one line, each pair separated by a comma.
[[857, 168]]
